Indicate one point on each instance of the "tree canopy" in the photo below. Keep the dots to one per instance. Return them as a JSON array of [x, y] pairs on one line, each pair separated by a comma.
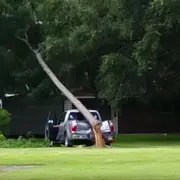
[[119, 48]]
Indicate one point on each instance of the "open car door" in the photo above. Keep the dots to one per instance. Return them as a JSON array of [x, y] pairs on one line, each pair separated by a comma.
[[51, 131]]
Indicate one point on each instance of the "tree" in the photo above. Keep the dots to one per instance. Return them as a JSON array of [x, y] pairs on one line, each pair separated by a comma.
[[121, 48], [118, 77], [5, 117], [94, 123], [146, 65], [157, 53]]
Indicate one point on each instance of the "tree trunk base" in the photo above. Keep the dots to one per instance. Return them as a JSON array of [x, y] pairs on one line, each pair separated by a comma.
[[98, 135]]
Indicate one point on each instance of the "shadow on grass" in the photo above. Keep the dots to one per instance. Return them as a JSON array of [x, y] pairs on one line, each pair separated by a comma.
[[10, 168]]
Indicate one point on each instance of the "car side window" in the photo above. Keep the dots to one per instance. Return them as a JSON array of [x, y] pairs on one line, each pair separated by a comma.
[[62, 118]]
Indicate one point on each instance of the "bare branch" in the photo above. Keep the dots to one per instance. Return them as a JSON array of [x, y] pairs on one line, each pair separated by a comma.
[[40, 49], [25, 40], [26, 36], [28, 44]]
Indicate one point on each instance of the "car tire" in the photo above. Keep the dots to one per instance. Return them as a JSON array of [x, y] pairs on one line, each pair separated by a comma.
[[108, 143], [89, 144], [68, 142]]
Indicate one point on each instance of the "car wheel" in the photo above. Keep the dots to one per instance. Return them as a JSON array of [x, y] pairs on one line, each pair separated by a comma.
[[68, 142], [108, 143], [89, 144]]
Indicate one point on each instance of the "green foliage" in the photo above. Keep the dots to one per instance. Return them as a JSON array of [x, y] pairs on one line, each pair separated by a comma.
[[117, 78], [157, 53], [23, 143], [2, 136], [121, 48], [5, 117]]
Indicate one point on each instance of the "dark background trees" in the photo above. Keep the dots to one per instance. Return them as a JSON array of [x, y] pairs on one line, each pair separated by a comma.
[[121, 49]]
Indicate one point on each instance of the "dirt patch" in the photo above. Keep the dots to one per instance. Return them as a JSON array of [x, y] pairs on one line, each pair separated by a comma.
[[10, 168]]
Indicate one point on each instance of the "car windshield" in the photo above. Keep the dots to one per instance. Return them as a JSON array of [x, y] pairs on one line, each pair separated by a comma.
[[80, 117]]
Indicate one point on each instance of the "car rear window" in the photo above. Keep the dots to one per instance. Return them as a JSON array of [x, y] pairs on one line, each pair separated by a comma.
[[80, 117]]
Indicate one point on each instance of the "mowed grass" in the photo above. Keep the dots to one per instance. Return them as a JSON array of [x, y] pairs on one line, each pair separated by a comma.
[[137, 157]]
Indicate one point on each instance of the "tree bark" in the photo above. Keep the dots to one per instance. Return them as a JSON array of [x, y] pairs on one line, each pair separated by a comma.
[[96, 125]]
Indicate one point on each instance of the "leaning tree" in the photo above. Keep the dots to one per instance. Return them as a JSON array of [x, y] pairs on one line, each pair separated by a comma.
[[54, 17]]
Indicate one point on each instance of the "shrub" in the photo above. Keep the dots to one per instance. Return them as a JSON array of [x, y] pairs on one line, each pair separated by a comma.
[[2, 136], [23, 143], [5, 117]]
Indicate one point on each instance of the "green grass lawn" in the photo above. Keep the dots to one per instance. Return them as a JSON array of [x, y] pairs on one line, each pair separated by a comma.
[[138, 157]]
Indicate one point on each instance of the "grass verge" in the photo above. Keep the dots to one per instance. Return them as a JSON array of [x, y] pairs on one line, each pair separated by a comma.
[[161, 163], [137, 157], [123, 141]]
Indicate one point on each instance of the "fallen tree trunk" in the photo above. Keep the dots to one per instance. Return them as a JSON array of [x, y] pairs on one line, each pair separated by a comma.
[[96, 125]]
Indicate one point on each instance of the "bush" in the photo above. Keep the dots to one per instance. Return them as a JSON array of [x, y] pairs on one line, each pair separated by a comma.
[[2, 136], [5, 117], [23, 143]]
